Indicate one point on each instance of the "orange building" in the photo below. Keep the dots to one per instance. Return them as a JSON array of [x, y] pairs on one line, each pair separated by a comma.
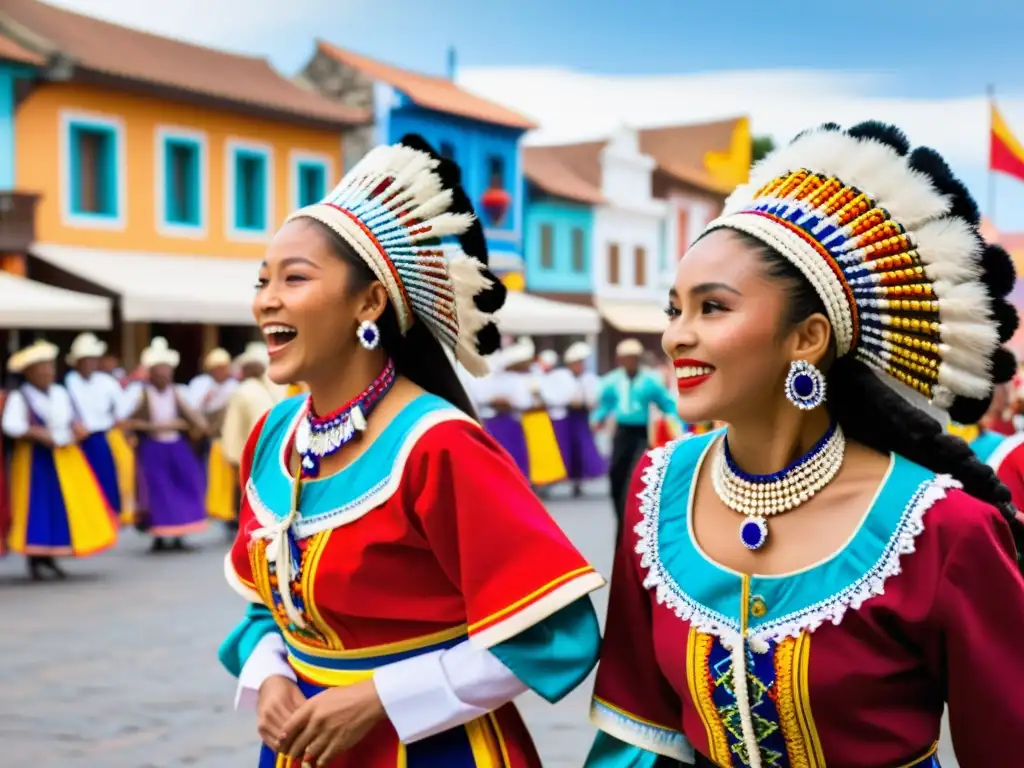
[[161, 169]]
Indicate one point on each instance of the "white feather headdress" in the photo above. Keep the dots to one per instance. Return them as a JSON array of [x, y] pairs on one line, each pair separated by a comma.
[[897, 270], [393, 210]]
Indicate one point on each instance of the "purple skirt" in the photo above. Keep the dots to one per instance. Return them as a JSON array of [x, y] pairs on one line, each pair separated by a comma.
[[172, 487], [579, 451], [509, 433]]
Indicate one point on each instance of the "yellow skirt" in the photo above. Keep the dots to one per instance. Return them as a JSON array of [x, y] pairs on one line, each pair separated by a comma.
[[57, 504], [221, 480], [124, 462], [545, 457]]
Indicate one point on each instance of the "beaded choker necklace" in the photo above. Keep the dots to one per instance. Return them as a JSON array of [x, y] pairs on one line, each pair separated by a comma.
[[320, 436], [758, 497]]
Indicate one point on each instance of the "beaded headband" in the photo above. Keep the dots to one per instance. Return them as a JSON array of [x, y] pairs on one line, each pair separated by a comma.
[[394, 208], [889, 240]]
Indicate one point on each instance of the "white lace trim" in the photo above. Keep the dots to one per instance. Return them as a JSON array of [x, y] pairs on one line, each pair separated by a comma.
[[668, 592]]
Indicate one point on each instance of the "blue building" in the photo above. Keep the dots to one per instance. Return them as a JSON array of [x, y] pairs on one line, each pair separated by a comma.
[[483, 137], [558, 238]]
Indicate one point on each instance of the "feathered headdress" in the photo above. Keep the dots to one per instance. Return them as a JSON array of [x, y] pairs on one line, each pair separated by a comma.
[[889, 239], [394, 208]]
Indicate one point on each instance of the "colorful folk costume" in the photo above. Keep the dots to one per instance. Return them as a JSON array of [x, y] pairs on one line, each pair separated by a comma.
[[846, 662], [391, 569], [210, 397], [1004, 454], [575, 396], [58, 508], [98, 402], [501, 397], [628, 399], [170, 475], [546, 466]]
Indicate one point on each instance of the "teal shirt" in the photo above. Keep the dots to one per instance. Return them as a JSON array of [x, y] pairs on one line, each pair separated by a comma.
[[629, 399]]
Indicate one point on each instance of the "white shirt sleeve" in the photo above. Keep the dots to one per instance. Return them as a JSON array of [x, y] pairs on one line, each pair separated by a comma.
[[428, 694], [129, 400], [15, 419], [267, 659]]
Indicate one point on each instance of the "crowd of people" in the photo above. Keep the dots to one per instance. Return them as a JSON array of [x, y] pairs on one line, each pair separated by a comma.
[[813, 576], [98, 450]]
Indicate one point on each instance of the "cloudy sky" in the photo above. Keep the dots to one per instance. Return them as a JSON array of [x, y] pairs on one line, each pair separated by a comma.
[[580, 67]]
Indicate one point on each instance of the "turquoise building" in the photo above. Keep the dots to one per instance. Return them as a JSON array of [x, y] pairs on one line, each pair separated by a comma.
[[558, 245]]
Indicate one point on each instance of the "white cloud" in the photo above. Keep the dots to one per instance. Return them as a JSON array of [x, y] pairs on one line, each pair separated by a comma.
[[571, 106]]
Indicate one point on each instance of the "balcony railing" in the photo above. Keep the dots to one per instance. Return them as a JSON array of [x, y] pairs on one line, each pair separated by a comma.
[[17, 221]]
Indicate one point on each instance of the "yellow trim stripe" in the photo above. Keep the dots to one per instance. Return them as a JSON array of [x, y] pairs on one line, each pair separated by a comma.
[[329, 678], [631, 716], [386, 649], [802, 694], [483, 744], [531, 598], [314, 551], [507, 760], [697, 646], [922, 758]]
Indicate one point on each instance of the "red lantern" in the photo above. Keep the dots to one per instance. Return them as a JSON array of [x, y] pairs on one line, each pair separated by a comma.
[[495, 202]]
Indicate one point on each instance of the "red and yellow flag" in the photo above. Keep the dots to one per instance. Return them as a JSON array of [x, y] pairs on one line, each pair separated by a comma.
[[1006, 153]]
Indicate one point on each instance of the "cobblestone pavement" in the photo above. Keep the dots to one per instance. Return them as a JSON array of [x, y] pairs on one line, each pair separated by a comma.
[[117, 667]]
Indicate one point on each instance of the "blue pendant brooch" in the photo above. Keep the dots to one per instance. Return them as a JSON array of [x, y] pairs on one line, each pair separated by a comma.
[[320, 436], [758, 497]]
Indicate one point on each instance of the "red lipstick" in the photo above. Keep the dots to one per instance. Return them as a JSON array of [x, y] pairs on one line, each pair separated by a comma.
[[692, 373]]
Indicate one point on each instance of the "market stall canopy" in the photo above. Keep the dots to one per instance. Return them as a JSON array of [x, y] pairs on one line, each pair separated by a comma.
[[528, 315], [633, 316], [28, 304], [164, 288]]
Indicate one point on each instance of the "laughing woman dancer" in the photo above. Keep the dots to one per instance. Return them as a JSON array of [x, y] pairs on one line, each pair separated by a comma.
[[405, 584], [811, 585]]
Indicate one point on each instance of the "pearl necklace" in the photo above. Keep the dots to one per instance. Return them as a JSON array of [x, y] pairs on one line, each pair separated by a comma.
[[758, 497], [320, 436]]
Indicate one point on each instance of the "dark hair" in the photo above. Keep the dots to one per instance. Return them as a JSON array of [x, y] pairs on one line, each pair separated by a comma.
[[874, 415], [418, 354]]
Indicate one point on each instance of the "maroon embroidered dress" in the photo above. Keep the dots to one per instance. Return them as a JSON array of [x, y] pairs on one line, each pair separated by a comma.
[[847, 663]]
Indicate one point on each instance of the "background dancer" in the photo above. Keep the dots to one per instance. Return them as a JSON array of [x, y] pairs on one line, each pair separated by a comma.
[[626, 396], [58, 508], [583, 461], [168, 428], [98, 402]]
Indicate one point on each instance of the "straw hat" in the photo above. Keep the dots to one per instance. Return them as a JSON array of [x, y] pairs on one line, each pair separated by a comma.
[[577, 353], [629, 348], [159, 352], [255, 353], [215, 358], [84, 346], [37, 352]]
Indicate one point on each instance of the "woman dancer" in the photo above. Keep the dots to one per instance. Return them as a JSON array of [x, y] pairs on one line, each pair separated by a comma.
[[98, 402], [58, 508], [170, 475], [405, 582], [809, 586], [575, 436]]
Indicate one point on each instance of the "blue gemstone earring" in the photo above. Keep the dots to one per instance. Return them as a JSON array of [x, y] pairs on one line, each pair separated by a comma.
[[368, 334], [805, 385]]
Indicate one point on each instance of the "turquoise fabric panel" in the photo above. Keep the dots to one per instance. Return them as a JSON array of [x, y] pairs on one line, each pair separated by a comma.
[[609, 752], [556, 655], [238, 646], [985, 444]]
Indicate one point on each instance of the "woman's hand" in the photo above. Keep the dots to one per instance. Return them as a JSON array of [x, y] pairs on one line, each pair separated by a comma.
[[278, 699], [331, 722]]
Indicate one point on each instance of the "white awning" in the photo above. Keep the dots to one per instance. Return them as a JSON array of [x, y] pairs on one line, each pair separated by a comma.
[[535, 316], [27, 304], [164, 287], [633, 316]]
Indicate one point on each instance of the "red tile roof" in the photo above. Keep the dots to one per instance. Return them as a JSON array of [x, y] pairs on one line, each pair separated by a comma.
[[430, 92], [10, 50], [133, 55], [546, 169]]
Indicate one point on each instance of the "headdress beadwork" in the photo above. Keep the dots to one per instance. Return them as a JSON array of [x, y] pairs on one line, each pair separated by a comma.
[[889, 240], [395, 208]]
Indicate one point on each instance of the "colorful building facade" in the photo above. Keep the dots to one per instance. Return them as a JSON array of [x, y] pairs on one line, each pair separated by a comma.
[[162, 171]]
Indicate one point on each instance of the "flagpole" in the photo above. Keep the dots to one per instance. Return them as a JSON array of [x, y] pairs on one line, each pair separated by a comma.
[[991, 174]]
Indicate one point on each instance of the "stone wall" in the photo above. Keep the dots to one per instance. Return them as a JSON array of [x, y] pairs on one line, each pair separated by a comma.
[[349, 86]]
